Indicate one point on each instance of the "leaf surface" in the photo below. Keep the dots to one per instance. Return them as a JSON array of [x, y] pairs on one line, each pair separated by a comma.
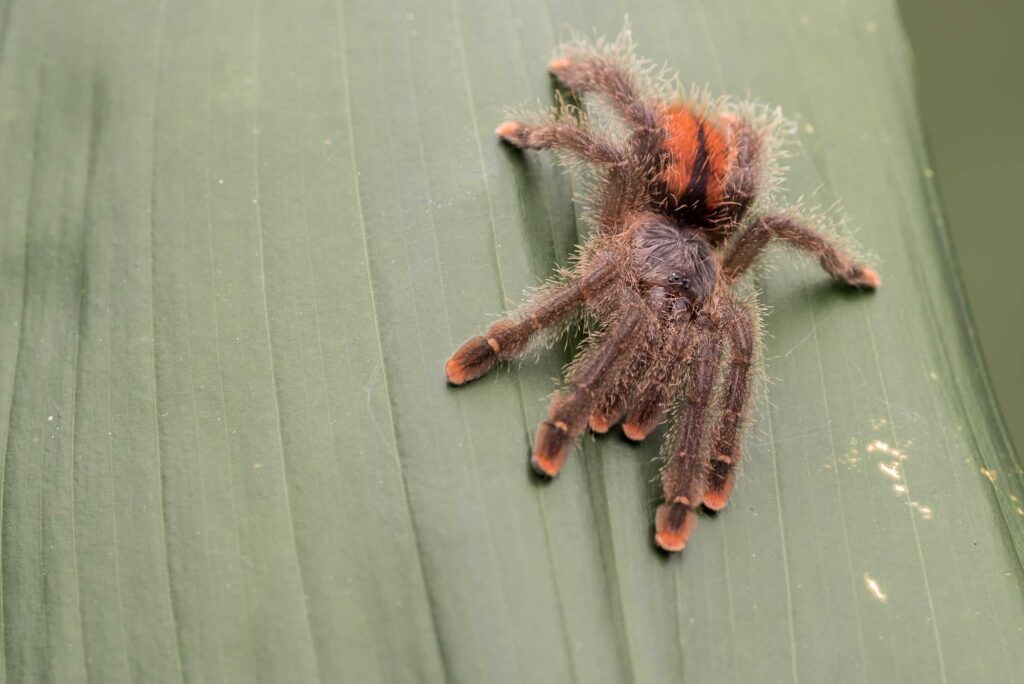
[[239, 239]]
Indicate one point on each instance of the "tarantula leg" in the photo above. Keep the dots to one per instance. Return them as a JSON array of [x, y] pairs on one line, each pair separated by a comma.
[[725, 452], [567, 415], [609, 411], [647, 406], [648, 410], [560, 135], [593, 73], [674, 523], [683, 475], [506, 339], [626, 185], [752, 242], [613, 406]]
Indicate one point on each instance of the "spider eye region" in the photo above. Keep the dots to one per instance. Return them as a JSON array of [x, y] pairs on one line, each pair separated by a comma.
[[680, 281], [674, 260]]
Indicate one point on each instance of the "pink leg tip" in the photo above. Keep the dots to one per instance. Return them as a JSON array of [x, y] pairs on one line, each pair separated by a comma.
[[510, 131], [598, 423], [636, 432], [550, 449], [476, 357], [870, 278], [673, 523], [559, 64], [548, 467], [716, 499], [721, 478], [455, 372]]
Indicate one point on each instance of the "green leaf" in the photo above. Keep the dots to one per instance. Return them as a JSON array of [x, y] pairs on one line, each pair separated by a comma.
[[238, 241]]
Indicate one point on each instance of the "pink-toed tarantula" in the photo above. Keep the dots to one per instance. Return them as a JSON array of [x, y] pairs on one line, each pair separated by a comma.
[[675, 228]]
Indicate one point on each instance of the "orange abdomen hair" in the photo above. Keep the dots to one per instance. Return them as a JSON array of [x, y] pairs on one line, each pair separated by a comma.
[[697, 170]]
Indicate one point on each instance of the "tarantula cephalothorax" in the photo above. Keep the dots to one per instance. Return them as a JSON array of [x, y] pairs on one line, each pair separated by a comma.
[[677, 222]]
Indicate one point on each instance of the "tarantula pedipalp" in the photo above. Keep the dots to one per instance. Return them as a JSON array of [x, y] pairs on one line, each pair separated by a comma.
[[676, 227]]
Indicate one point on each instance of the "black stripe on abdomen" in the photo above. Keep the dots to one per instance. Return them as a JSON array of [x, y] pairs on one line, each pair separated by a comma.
[[695, 196]]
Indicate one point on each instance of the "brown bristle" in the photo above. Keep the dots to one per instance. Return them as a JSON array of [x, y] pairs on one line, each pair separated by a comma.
[[550, 449], [673, 524]]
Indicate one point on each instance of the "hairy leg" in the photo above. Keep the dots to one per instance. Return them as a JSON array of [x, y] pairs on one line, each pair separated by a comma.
[[752, 242], [611, 406], [563, 135], [741, 329], [614, 404], [567, 414], [656, 386], [587, 73], [683, 475], [647, 405], [508, 338]]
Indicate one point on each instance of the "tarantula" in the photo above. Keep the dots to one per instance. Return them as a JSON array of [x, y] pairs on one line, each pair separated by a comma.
[[675, 227]]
